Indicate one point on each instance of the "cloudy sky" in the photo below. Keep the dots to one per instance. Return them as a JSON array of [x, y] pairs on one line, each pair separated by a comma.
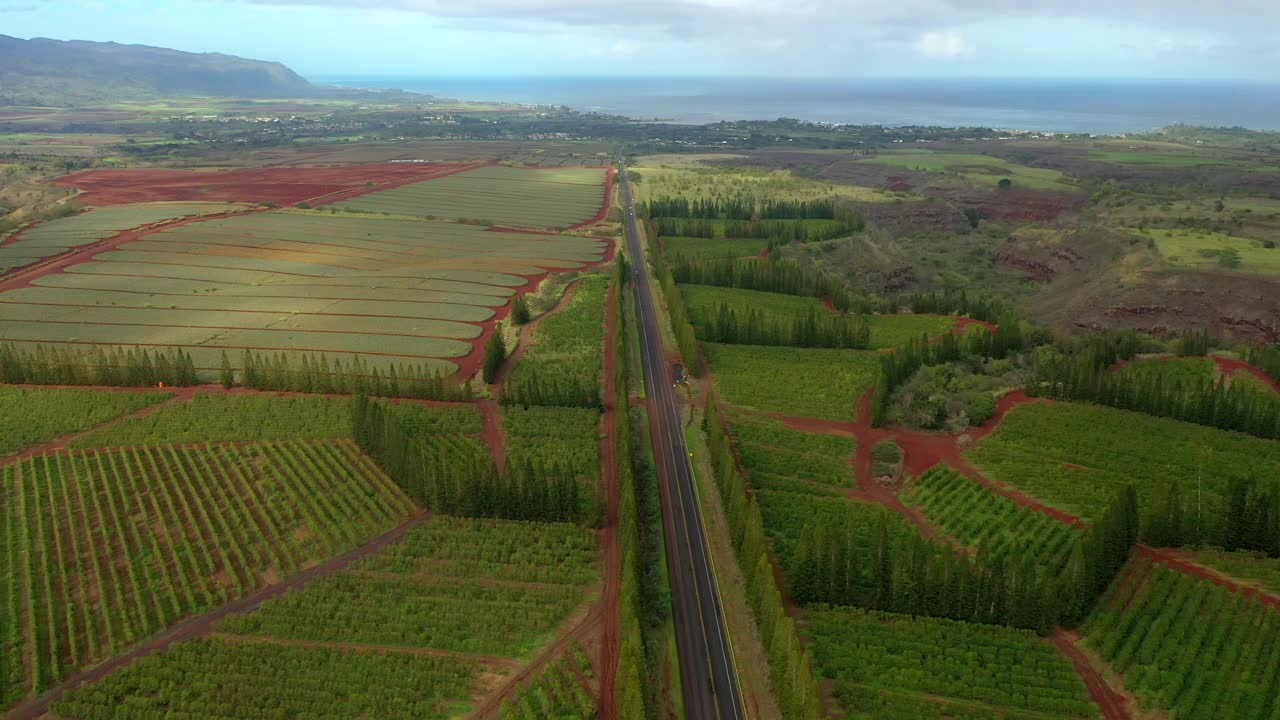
[[816, 38]]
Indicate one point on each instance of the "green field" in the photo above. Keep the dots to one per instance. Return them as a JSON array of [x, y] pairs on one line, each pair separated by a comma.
[[686, 176], [561, 439], [1246, 567], [1203, 249], [393, 291], [1187, 647], [57, 236], [562, 365], [897, 667], [698, 248], [780, 458], [501, 195], [811, 382], [1075, 457], [34, 416], [556, 693], [983, 169], [104, 548]]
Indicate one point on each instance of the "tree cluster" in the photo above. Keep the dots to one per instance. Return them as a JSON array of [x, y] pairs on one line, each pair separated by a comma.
[[949, 302], [1175, 517], [811, 329], [116, 367], [317, 374]]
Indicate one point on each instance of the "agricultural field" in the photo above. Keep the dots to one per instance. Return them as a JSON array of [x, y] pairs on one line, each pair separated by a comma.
[[1186, 371], [438, 618], [562, 364], [779, 458], [1248, 568], [104, 548], [33, 416], [563, 438], [700, 248], [981, 169], [499, 195], [810, 382], [1187, 647], [979, 517], [213, 417], [889, 666], [393, 292], [53, 237], [1202, 249], [557, 692], [1075, 457], [704, 301], [687, 176]]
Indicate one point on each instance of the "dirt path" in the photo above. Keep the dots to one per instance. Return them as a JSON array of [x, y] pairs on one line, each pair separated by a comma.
[[1114, 705], [526, 338], [203, 624], [492, 433], [1232, 366], [609, 600], [1182, 562]]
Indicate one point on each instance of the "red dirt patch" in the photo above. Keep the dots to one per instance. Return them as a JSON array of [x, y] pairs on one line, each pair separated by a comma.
[[281, 185], [1231, 366], [1114, 706]]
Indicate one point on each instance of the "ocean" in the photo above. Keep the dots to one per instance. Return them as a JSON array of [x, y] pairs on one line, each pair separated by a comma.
[[1088, 106]]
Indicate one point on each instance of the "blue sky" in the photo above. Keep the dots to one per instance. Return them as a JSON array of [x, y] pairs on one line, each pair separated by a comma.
[[1226, 39]]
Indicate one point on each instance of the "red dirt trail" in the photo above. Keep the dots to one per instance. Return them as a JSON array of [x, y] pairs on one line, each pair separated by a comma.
[[203, 624], [1114, 706], [1232, 366], [1182, 562]]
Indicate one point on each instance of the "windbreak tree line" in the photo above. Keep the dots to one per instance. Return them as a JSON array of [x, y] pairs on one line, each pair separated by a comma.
[[115, 367], [317, 374], [778, 232], [742, 208], [812, 329], [778, 275], [1252, 523]]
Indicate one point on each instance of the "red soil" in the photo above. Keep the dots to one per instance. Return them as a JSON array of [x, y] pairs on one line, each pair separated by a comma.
[[1114, 706], [281, 185], [964, 323], [492, 434], [1182, 562], [1231, 366]]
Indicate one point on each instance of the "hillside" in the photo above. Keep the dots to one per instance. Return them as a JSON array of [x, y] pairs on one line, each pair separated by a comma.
[[41, 71]]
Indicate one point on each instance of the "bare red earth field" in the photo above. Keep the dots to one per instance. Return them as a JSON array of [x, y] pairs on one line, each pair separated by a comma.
[[281, 185]]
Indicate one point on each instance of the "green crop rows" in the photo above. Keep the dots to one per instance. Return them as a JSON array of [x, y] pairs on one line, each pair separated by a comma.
[[889, 667], [556, 693], [553, 437], [713, 247], [520, 197], [1247, 567], [780, 458], [1186, 371], [562, 366], [31, 417], [1075, 456], [979, 517], [211, 417], [812, 382], [206, 679], [57, 236], [1188, 647], [107, 547]]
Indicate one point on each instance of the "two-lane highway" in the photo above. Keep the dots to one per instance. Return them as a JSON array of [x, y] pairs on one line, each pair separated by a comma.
[[706, 667]]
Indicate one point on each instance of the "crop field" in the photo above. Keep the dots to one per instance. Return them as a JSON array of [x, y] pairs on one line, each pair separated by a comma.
[[501, 195], [553, 437], [57, 236], [272, 184], [1076, 456], [1187, 647], [562, 365], [698, 248], [212, 417], [413, 615], [34, 416], [1194, 248], [779, 458], [1246, 567], [979, 517], [1186, 371], [886, 330], [810, 382], [982, 169], [677, 175], [556, 693], [104, 548], [890, 667], [420, 293]]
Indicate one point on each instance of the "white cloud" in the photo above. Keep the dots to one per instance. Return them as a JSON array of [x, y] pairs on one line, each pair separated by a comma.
[[944, 45]]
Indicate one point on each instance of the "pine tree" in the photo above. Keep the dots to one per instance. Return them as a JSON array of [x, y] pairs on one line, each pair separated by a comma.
[[520, 310], [495, 351]]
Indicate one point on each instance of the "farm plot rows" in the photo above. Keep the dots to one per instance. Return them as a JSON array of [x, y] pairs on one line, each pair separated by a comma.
[[1243, 566], [104, 548], [558, 440], [979, 517], [699, 248], [387, 637], [890, 666], [34, 416], [705, 301], [56, 236], [811, 382], [392, 291], [1076, 456], [501, 195], [562, 364], [556, 693], [1187, 647], [780, 458]]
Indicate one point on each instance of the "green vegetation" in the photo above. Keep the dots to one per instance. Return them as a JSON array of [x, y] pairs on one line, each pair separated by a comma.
[[812, 382], [780, 458], [954, 396], [211, 417], [981, 518], [119, 544], [500, 195], [1195, 248], [683, 175], [1188, 647], [34, 416], [557, 441], [1245, 567], [696, 247], [983, 169], [212, 678], [562, 364], [556, 692], [890, 667]]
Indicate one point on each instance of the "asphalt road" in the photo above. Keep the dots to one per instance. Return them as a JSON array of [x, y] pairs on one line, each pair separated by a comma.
[[706, 668]]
